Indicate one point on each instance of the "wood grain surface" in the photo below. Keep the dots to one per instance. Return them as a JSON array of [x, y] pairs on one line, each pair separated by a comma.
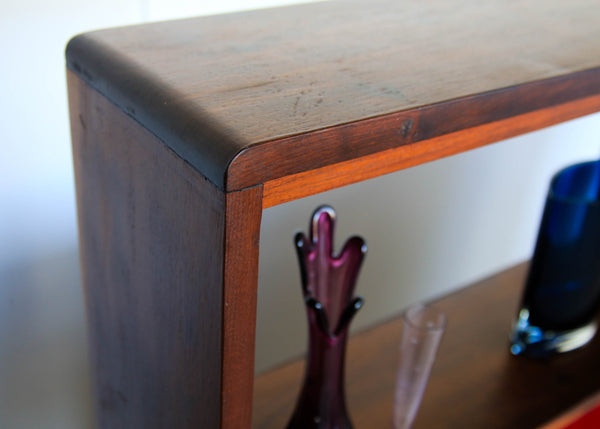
[[181, 128], [153, 294], [299, 185], [242, 236], [475, 382], [251, 97]]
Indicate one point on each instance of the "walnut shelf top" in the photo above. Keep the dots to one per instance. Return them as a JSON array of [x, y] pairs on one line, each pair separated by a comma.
[[255, 96]]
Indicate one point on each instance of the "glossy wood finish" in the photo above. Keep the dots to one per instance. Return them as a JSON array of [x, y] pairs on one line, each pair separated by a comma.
[[292, 187], [169, 270], [441, 121], [184, 131], [243, 211], [252, 97], [475, 382]]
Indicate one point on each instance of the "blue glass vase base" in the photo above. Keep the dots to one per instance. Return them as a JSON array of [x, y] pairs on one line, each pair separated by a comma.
[[529, 340]]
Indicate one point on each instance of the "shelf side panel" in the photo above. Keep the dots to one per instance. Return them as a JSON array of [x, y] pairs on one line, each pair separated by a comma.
[[152, 248]]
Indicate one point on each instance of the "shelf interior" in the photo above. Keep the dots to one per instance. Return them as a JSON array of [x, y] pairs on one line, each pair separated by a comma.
[[475, 382]]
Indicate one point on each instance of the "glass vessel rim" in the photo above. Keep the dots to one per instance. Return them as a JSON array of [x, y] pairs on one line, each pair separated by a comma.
[[438, 318], [558, 197]]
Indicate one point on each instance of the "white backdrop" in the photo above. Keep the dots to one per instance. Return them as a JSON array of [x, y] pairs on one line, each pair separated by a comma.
[[430, 229]]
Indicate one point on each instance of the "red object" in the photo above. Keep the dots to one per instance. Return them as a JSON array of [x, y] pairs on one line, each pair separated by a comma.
[[590, 420]]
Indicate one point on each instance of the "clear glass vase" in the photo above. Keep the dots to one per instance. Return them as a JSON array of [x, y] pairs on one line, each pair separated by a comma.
[[422, 331], [328, 283]]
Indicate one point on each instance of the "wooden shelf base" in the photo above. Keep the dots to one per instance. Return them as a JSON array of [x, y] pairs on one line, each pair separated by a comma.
[[475, 382]]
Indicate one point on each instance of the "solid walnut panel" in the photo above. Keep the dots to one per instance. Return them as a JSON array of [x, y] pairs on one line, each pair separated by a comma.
[[153, 295], [251, 97]]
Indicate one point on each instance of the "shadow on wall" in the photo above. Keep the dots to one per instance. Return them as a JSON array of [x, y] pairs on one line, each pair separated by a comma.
[[44, 380]]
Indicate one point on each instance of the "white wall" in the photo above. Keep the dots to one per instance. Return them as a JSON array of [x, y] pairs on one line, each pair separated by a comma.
[[43, 360], [429, 229]]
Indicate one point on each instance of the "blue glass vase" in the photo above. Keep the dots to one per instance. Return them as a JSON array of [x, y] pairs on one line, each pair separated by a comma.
[[562, 291]]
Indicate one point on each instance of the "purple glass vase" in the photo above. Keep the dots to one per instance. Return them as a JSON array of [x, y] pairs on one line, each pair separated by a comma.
[[328, 283]]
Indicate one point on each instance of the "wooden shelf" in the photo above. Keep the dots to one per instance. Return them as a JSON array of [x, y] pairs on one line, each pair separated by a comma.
[[184, 131], [475, 382], [292, 98]]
